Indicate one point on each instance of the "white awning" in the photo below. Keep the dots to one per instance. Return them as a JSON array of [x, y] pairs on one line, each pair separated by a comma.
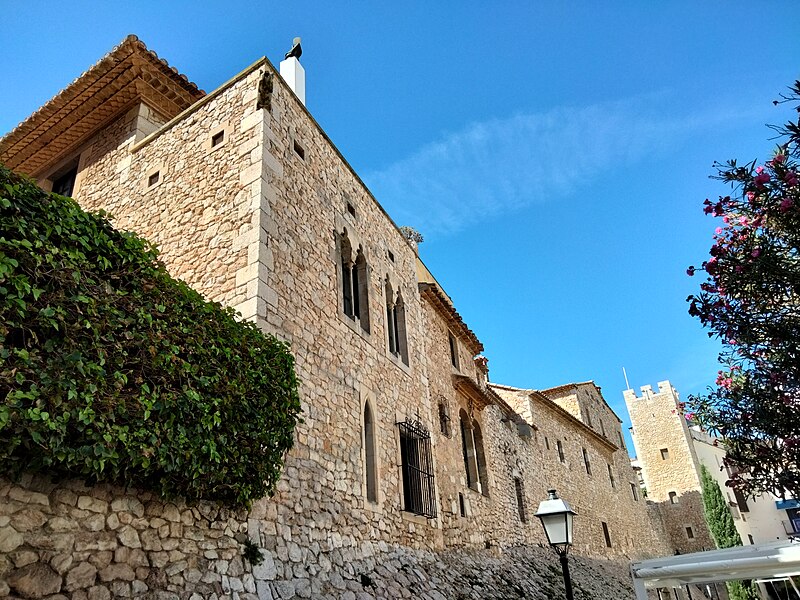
[[774, 560]]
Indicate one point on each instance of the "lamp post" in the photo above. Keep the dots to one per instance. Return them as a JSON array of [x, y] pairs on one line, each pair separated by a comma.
[[556, 516]]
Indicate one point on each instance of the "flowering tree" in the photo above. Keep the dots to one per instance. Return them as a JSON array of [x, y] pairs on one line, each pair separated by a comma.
[[750, 301]]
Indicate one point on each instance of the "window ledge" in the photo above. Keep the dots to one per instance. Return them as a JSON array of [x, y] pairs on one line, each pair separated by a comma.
[[398, 362], [418, 519], [354, 325]]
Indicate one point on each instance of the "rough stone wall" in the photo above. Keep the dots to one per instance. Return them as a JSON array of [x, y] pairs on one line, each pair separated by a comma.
[[199, 213], [321, 501], [256, 223], [659, 425], [631, 529]]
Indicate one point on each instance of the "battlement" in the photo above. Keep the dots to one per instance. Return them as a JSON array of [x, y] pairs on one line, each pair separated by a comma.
[[664, 387]]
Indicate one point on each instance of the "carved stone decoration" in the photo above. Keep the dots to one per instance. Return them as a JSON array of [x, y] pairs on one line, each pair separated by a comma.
[[265, 92]]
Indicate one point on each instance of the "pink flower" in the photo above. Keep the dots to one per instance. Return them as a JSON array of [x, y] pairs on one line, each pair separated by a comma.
[[759, 170], [750, 196], [786, 204], [756, 253], [718, 230], [761, 179], [779, 158], [742, 220]]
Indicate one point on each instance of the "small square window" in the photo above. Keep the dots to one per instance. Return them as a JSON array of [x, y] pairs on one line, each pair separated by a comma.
[[298, 149], [351, 209], [218, 138], [665, 454], [153, 179], [673, 498]]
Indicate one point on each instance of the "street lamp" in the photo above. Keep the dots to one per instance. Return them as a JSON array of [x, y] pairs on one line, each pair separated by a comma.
[[556, 516]]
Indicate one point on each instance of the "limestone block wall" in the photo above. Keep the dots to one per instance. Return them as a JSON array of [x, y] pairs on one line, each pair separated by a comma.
[[631, 529], [669, 464], [178, 190], [308, 198]]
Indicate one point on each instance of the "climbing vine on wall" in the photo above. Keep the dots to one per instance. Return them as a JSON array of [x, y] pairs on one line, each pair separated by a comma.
[[112, 370]]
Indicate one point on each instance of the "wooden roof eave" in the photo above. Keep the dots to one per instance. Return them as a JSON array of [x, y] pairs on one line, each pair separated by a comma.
[[438, 301]]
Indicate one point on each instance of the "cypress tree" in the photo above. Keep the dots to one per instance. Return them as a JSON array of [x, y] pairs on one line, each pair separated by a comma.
[[723, 530]]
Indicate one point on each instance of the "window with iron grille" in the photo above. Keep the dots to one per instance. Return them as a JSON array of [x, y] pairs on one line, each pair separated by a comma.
[[419, 493]]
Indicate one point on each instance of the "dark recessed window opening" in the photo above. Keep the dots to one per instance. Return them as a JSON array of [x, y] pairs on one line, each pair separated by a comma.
[[391, 255], [217, 138], [547, 444], [634, 492], [419, 494], [453, 349], [351, 209], [606, 534], [586, 462], [673, 498], [444, 419], [298, 149], [65, 184], [664, 453], [520, 494], [461, 505], [153, 179], [611, 476], [560, 448], [689, 533]]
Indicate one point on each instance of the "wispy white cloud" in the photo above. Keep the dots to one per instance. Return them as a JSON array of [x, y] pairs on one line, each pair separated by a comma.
[[503, 164]]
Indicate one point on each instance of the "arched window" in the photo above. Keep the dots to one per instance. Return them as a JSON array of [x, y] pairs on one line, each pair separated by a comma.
[[468, 450], [368, 441], [396, 324], [355, 288], [480, 458]]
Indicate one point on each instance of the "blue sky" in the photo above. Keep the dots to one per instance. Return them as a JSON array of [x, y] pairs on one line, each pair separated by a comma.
[[555, 155]]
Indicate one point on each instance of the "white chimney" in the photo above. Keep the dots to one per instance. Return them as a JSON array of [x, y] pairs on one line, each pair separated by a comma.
[[293, 72]]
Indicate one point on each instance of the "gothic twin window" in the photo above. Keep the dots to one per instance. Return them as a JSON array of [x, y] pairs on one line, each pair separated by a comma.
[[355, 283], [396, 324], [472, 452]]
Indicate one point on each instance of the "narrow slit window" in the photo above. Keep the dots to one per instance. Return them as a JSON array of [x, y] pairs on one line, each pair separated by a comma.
[[546, 443], [519, 491], [689, 533], [453, 349], [586, 462], [369, 455], [391, 255], [634, 493], [351, 209], [560, 448], [606, 534], [611, 476], [664, 453], [218, 138], [462, 507]]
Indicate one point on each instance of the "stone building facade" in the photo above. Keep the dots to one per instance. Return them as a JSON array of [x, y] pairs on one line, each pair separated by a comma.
[[403, 444], [670, 451]]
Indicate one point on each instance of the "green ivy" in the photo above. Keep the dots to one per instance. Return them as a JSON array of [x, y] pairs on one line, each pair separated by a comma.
[[113, 371]]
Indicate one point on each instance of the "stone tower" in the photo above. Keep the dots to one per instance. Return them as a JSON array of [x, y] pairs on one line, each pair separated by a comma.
[[669, 463]]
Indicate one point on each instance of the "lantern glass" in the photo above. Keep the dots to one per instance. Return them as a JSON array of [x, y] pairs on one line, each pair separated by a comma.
[[558, 528]]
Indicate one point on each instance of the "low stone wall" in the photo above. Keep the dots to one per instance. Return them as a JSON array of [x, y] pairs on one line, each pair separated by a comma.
[[70, 541]]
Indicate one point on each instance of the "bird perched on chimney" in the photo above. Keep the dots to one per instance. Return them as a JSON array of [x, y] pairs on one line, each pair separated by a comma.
[[296, 50]]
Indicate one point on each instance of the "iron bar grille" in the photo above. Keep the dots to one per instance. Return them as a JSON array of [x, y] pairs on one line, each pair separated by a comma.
[[419, 493]]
